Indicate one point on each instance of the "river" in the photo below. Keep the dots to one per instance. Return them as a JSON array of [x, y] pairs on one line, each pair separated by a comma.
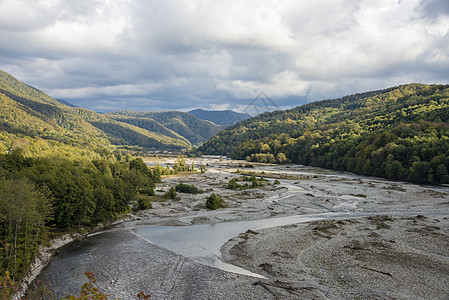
[[173, 262]]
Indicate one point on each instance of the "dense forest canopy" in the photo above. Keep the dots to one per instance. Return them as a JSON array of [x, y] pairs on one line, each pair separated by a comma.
[[43, 194], [398, 133]]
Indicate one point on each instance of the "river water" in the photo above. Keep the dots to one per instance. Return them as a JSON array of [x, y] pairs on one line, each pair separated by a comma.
[[203, 242], [125, 252]]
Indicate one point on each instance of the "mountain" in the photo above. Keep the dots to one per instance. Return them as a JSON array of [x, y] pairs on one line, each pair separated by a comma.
[[398, 133], [66, 103], [223, 118], [179, 125], [39, 124]]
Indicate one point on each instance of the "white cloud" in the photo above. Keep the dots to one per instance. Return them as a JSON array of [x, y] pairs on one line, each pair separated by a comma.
[[182, 53]]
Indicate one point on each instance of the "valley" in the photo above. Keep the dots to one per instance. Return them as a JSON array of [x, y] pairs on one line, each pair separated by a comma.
[[375, 226], [224, 150], [320, 234]]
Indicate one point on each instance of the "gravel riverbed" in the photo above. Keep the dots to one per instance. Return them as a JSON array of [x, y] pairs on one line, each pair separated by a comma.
[[400, 254]]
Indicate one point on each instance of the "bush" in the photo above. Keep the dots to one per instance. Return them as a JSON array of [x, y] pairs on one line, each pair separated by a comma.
[[232, 184], [188, 188], [250, 182], [170, 194], [149, 191], [277, 181], [214, 201], [143, 203]]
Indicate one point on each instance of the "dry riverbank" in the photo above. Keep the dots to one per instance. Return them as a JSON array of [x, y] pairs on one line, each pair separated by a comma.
[[366, 258]]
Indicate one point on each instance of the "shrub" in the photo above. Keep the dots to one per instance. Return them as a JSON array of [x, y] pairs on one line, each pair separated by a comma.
[[7, 286], [143, 203], [188, 188], [170, 194], [277, 181], [232, 184], [149, 191], [214, 201]]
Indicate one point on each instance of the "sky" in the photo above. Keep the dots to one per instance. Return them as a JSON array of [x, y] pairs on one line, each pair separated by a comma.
[[150, 55]]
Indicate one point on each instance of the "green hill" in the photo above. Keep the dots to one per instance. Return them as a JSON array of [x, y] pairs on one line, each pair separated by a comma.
[[398, 133], [37, 123], [179, 125], [223, 118]]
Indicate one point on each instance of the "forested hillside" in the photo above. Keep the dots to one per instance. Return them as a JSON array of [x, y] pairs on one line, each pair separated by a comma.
[[46, 195], [37, 123], [398, 133], [174, 124], [63, 167]]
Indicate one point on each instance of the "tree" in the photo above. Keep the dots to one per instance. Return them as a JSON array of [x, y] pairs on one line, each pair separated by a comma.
[[441, 174], [24, 211], [139, 165], [281, 158], [393, 169]]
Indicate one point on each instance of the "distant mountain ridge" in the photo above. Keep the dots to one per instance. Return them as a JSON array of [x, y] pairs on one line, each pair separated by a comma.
[[223, 118], [171, 123], [400, 133]]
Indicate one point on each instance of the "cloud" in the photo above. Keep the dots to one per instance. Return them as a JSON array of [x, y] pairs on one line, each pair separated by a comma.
[[433, 8], [180, 54]]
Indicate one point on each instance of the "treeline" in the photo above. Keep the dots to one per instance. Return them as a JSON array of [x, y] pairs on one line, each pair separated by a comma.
[[399, 133], [42, 195]]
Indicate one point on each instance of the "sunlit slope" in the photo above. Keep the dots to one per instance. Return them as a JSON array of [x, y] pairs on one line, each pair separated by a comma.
[[35, 122], [398, 133], [171, 123]]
